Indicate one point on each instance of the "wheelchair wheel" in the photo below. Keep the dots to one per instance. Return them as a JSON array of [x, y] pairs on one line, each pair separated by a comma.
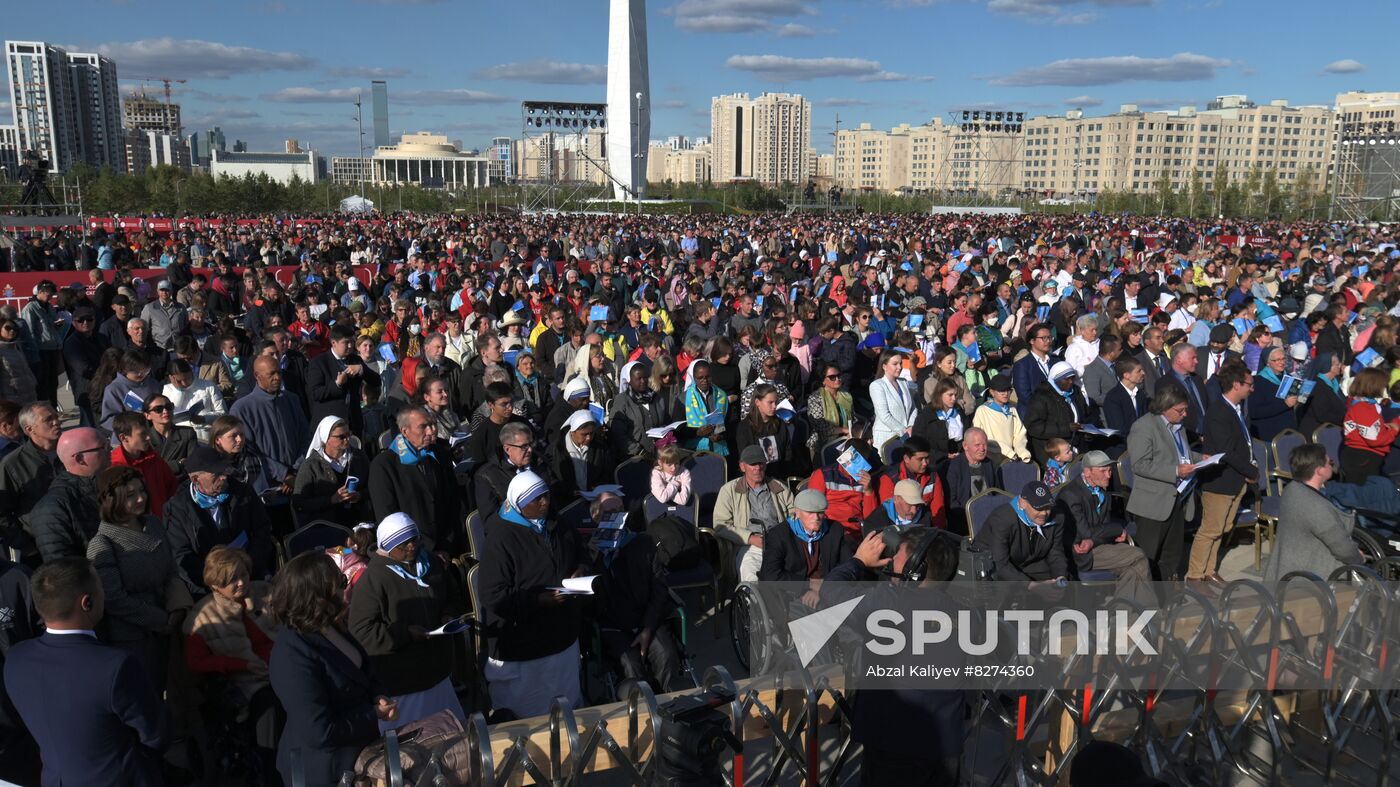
[[752, 631], [1374, 551]]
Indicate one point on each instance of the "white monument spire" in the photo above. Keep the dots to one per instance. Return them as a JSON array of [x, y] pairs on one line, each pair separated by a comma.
[[629, 97]]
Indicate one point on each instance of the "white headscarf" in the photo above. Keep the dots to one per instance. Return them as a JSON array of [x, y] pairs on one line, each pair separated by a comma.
[[318, 442], [524, 489], [625, 379]]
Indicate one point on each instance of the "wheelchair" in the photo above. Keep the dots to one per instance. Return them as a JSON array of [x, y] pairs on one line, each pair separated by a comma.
[[603, 682], [231, 726], [758, 630]]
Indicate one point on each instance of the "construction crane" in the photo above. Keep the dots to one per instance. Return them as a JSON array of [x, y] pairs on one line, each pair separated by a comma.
[[166, 80]]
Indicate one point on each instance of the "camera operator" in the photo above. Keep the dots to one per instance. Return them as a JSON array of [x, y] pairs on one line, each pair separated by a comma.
[[910, 736]]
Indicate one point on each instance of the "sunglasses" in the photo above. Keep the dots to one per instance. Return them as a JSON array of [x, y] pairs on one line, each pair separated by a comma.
[[82, 319], [833, 377], [160, 408]]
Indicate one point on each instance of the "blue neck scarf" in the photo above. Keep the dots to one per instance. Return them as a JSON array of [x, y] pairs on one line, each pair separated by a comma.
[[408, 455], [208, 502], [420, 569], [947, 415], [1026, 520], [1004, 409], [1068, 395], [1098, 495], [1373, 402], [807, 538], [1330, 383], [509, 514], [895, 517], [1054, 464]]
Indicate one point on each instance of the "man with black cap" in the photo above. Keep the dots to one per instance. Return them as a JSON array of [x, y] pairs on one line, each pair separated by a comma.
[[46, 325], [748, 507], [1025, 543], [114, 327], [210, 509], [1218, 353]]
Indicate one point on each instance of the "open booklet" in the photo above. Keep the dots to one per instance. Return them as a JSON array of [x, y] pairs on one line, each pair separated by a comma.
[[661, 431], [1098, 430], [1204, 463], [454, 626], [577, 586]]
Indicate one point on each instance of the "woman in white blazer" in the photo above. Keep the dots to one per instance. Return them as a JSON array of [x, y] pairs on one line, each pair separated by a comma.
[[894, 400]]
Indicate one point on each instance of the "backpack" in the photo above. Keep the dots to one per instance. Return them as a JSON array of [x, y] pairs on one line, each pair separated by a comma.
[[677, 546]]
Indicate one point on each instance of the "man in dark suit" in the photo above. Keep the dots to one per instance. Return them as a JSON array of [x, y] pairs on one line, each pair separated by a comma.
[[333, 381], [1153, 358], [1125, 402], [1034, 367], [968, 475], [1183, 376], [1025, 543], [1097, 538], [1218, 352], [102, 723], [1223, 485]]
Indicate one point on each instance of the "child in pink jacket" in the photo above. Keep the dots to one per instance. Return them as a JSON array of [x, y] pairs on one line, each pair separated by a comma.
[[670, 483]]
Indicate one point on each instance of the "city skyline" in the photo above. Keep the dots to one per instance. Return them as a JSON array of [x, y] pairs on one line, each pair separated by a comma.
[[264, 74]]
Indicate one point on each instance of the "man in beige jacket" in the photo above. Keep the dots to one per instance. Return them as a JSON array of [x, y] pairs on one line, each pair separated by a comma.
[[747, 507]]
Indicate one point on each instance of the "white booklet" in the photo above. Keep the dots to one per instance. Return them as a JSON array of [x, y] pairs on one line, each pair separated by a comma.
[[661, 431], [454, 626], [577, 586]]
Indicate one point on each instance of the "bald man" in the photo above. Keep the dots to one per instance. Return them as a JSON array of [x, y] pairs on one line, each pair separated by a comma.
[[67, 517], [277, 425]]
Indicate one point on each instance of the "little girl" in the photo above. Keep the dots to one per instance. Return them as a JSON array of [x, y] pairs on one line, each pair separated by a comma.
[[1061, 455], [669, 483], [353, 558]]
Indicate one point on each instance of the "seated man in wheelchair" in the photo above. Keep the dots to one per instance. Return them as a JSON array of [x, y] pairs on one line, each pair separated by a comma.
[[805, 548], [1098, 539], [632, 601]]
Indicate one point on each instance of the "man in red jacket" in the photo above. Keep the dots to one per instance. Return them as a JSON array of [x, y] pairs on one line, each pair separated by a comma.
[[848, 499], [914, 466]]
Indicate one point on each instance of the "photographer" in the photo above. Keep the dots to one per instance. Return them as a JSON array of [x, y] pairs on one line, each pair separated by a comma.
[[911, 736]]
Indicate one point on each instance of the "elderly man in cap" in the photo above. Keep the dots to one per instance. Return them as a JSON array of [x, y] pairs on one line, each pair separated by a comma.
[[1100, 538], [806, 547], [212, 509], [402, 596], [1026, 544], [905, 507], [748, 507], [165, 317]]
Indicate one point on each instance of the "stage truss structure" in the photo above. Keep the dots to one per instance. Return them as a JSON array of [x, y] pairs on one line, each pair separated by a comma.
[[1365, 171], [563, 150], [985, 157]]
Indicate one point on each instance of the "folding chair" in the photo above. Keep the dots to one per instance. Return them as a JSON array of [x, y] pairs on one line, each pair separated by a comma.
[[708, 472], [655, 509], [1015, 475], [892, 451], [476, 534], [980, 508], [1283, 445], [634, 476], [1329, 436], [315, 536], [577, 515]]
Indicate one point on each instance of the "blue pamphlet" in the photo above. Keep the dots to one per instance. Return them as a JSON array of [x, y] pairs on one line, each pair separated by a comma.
[[1368, 358], [714, 419], [509, 356], [386, 352], [758, 301], [716, 301], [1139, 316], [1042, 312], [598, 313], [915, 320], [1274, 324], [853, 463], [597, 411], [133, 401]]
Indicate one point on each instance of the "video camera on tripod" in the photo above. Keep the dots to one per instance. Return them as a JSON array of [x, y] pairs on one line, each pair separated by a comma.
[[34, 174], [694, 732]]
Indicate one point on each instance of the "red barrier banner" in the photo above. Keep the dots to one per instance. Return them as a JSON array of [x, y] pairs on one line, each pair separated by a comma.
[[164, 226], [109, 225]]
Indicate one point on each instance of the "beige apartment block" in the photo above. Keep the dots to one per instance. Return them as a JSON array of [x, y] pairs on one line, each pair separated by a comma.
[[764, 139], [936, 156]]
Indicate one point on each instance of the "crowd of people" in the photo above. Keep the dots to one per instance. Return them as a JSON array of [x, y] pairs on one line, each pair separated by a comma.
[[858, 375]]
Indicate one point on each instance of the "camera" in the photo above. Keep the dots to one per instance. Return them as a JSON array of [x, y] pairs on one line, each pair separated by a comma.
[[694, 733]]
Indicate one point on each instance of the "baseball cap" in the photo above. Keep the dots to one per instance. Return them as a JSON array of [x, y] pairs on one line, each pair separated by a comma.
[[910, 492], [1094, 459], [1037, 495], [164, 285], [810, 500], [754, 455]]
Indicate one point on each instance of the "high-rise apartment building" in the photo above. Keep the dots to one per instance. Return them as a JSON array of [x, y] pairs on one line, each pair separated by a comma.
[[935, 156], [379, 95], [143, 112], [66, 106], [42, 97], [97, 109], [145, 149], [764, 139]]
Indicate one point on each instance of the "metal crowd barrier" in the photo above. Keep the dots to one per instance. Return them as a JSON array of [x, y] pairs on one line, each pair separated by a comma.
[[1247, 720]]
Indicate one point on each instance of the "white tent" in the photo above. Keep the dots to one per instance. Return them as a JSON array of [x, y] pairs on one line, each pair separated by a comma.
[[356, 204]]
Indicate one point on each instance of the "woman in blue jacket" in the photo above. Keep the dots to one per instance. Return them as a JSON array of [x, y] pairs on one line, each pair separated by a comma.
[[320, 675]]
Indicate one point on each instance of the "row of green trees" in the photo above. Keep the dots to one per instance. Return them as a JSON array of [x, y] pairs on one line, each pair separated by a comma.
[[171, 191]]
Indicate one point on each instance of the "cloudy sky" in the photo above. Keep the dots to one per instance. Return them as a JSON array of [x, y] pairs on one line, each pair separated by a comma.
[[264, 70]]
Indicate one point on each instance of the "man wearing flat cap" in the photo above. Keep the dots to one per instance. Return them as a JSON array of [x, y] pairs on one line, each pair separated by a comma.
[[806, 547]]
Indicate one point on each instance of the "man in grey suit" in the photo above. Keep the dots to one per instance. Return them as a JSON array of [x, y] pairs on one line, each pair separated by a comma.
[[1161, 460], [1099, 378]]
